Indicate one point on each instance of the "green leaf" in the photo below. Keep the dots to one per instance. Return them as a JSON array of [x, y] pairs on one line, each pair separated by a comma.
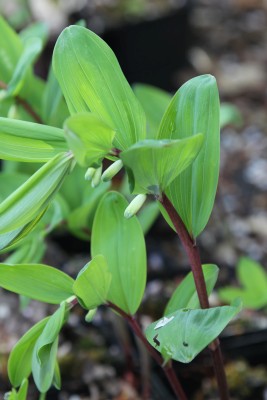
[[32, 49], [35, 30], [10, 181], [56, 214], [19, 362], [89, 138], [23, 390], [37, 281], [11, 239], [253, 280], [57, 377], [183, 334], [195, 109], [30, 199], [153, 164], [45, 350], [93, 282], [82, 208], [20, 395], [30, 142], [121, 242], [10, 50], [54, 108], [6, 105], [73, 184], [154, 102], [32, 92], [185, 295], [32, 251], [91, 80], [80, 220]]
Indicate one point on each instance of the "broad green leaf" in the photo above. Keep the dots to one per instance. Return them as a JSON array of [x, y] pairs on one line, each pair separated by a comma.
[[93, 282], [6, 105], [56, 214], [195, 109], [81, 208], [153, 164], [19, 362], [253, 280], [154, 102], [10, 181], [31, 50], [252, 275], [45, 350], [73, 184], [185, 295], [30, 142], [37, 281], [121, 242], [11, 48], [32, 251], [54, 108], [182, 335], [80, 220], [11, 239], [30, 199], [91, 80], [89, 138], [35, 30]]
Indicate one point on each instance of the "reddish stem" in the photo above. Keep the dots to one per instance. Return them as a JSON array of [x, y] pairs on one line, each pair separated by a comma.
[[24, 104], [168, 370], [195, 262]]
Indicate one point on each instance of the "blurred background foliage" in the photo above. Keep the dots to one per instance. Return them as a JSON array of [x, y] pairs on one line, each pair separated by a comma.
[[101, 14]]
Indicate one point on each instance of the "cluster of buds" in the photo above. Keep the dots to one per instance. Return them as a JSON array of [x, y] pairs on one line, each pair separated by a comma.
[[95, 176]]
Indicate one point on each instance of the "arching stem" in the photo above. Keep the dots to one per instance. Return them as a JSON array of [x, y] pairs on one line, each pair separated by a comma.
[[192, 252]]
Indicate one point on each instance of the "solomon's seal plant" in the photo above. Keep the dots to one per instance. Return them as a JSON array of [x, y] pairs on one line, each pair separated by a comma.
[[169, 148]]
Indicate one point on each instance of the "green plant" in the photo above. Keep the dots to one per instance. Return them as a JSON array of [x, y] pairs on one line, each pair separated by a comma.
[[253, 281], [176, 164]]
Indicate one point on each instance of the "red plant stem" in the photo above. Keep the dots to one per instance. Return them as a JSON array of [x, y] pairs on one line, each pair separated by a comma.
[[168, 370], [195, 262], [24, 104]]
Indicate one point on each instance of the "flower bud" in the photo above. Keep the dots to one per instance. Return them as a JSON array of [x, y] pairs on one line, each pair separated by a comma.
[[96, 177], [135, 206], [3, 94], [112, 170], [13, 112], [89, 174], [90, 315]]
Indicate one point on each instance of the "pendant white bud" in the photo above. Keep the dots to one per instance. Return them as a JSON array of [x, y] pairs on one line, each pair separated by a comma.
[[112, 170], [135, 205], [97, 177], [89, 174]]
